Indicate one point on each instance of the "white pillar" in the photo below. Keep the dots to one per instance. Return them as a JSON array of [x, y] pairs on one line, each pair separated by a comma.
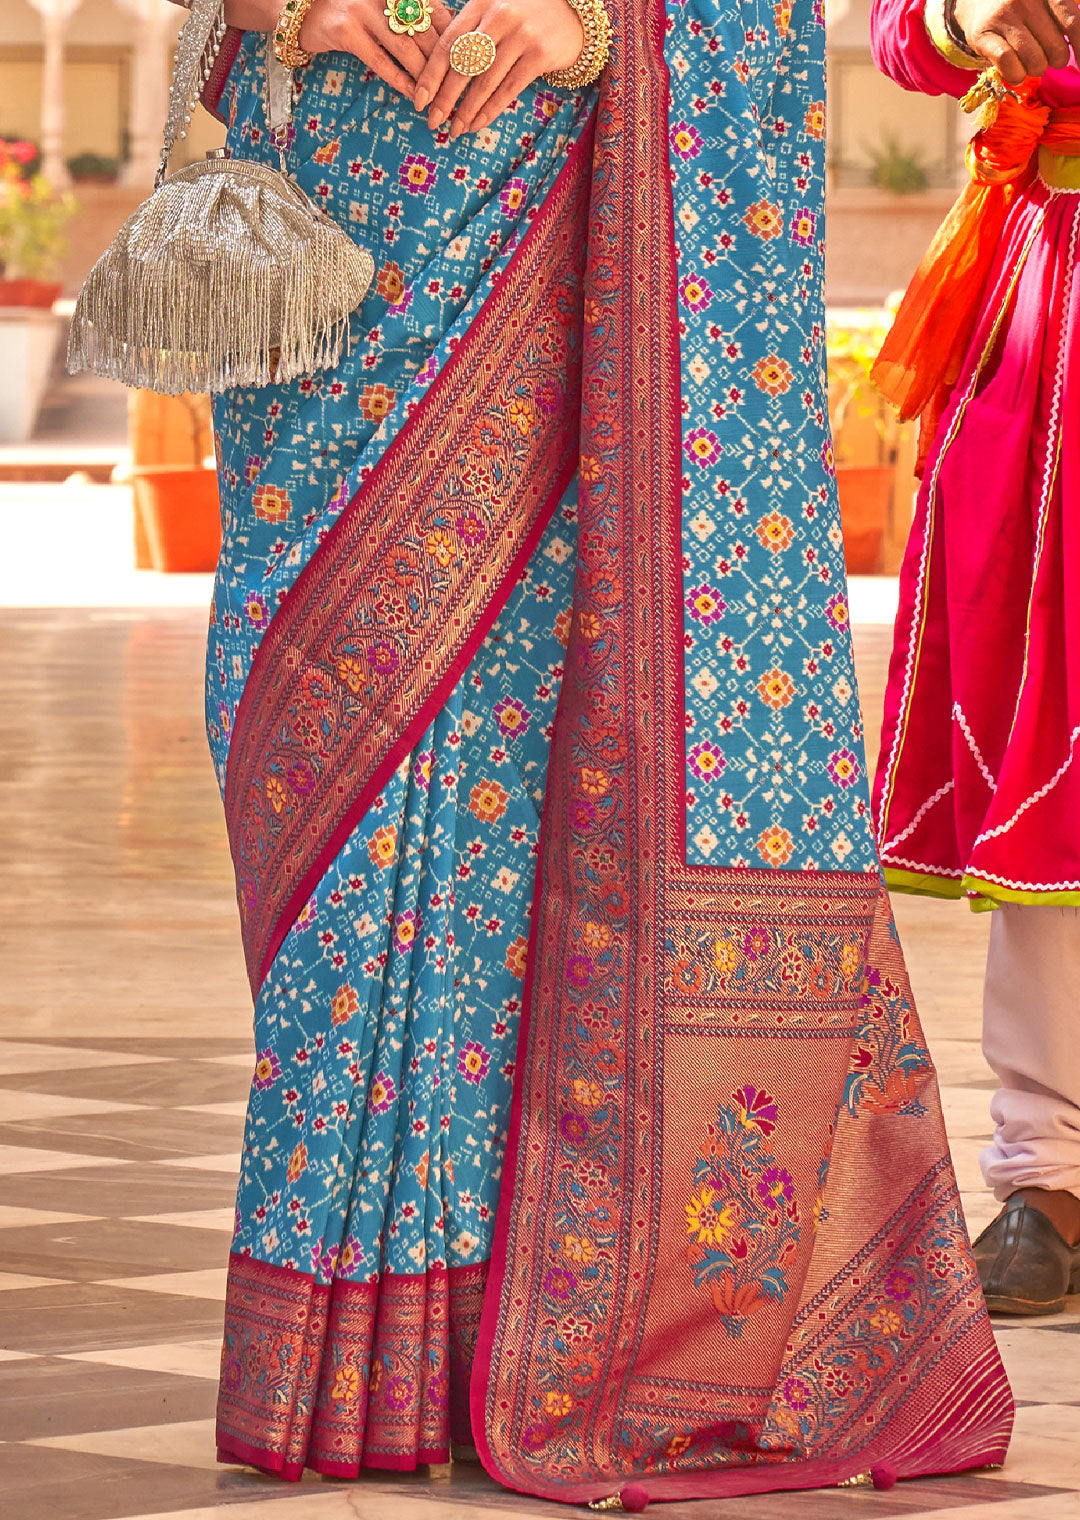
[[54, 19], [155, 27]]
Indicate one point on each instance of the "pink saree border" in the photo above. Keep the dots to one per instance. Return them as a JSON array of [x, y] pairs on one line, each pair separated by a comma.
[[963, 1414], [315, 615]]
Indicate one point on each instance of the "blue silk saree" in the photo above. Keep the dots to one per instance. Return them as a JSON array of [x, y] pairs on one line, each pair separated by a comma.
[[591, 1123]]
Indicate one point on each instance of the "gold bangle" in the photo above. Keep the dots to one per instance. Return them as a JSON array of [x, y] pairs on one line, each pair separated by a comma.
[[592, 60], [938, 31], [287, 34]]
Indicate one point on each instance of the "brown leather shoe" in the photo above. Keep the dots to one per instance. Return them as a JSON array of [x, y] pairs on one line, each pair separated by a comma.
[[1025, 1265]]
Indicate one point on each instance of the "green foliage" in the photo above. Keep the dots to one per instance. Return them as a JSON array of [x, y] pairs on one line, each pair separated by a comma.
[[93, 166], [33, 218], [899, 170]]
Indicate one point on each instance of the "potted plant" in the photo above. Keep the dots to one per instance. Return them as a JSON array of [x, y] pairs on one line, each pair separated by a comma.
[[177, 510], [866, 436], [899, 170], [93, 169], [33, 222]]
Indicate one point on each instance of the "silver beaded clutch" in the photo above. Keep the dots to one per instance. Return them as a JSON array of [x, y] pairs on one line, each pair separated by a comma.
[[229, 274]]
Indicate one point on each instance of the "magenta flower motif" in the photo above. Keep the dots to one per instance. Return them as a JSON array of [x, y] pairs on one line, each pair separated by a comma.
[[560, 1284], [511, 715], [574, 1128], [836, 610], [702, 447], [383, 657], [267, 1069], [256, 610], [422, 769], [582, 815], [828, 459], [383, 1094], [399, 1392], [512, 196], [844, 768], [579, 971], [417, 174], [804, 227], [300, 776], [819, 12], [685, 141], [900, 1284], [706, 761], [705, 604], [757, 1108], [351, 1259], [471, 529], [775, 1184], [545, 105], [405, 929], [797, 1394], [695, 292], [474, 1062]]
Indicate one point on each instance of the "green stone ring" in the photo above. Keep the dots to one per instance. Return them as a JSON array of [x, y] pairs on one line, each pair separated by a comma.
[[407, 17]]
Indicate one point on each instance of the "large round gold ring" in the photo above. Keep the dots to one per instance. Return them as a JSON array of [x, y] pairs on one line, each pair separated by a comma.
[[472, 54], [408, 17]]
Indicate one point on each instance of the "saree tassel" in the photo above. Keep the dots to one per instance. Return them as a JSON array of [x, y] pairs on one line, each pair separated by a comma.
[[220, 279]]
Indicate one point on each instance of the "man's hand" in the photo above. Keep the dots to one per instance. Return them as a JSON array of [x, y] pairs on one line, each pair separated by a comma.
[[1023, 38]]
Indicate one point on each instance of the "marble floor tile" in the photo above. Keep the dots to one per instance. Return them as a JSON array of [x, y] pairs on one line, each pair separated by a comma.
[[15, 1105], [228, 1161], [960, 1063], [96, 1316], [74, 1400], [195, 1219], [1045, 1446], [967, 1112], [184, 1359], [188, 1443], [236, 1109], [11, 1216], [119, 1249], [10, 1282], [1040, 1368], [127, 1134], [20, 1055], [123, 1187], [26, 1158], [209, 1284], [168, 1082]]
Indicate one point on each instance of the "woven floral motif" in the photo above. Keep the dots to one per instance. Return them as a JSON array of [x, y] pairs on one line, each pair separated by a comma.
[[742, 1218]]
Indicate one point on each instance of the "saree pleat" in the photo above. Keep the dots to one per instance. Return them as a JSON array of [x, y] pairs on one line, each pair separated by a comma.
[[592, 1121]]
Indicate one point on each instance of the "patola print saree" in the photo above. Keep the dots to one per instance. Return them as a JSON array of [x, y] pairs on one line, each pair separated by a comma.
[[592, 1125]]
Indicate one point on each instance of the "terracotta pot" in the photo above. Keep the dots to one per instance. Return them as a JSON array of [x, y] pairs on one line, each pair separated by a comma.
[[177, 518], [38, 293], [865, 496]]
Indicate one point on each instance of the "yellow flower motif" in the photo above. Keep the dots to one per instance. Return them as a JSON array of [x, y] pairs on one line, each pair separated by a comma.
[[352, 673], [707, 1223], [726, 955], [579, 1249], [275, 794], [557, 1404], [594, 781], [587, 1095], [596, 936], [522, 416], [346, 1385], [850, 960], [885, 1320], [441, 548]]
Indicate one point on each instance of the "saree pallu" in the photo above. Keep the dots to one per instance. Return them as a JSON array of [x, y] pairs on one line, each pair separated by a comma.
[[977, 793], [543, 770]]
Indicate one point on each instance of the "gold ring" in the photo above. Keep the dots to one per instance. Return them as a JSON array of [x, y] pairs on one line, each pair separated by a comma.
[[408, 17], [472, 54]]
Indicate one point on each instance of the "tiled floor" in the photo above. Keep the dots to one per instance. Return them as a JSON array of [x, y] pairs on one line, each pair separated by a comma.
[[124, 1059]]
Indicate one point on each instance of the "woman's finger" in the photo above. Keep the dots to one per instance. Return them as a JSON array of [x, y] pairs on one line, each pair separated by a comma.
[[409, 51], [387, 68], [501, 99], [438, 76], [480, 90]]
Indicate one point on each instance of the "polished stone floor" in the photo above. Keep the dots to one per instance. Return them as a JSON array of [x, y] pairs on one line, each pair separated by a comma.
[[124, 1063]]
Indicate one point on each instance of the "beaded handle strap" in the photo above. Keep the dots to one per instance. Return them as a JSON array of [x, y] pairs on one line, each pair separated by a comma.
[[197, 48]]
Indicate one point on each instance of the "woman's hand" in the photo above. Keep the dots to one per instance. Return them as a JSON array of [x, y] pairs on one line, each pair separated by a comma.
[[359, 27], [1022, 38], [531, 38]]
